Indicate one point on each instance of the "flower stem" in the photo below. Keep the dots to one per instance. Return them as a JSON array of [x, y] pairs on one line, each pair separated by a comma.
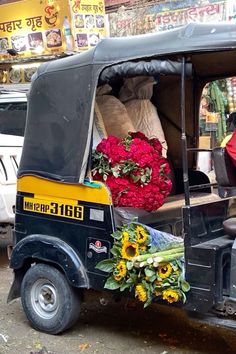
[[144, 257], [160, 259]]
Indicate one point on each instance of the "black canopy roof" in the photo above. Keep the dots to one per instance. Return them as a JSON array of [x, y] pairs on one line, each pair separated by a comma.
[[61, 99]]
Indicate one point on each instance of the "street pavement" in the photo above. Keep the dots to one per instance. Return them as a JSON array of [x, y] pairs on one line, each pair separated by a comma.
[[116, 328]]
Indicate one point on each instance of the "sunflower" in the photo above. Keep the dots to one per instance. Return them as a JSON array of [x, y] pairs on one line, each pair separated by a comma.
[[143, 249], [140, 293], [129, 250], [125, 237], [170, 295], [121, 268], [164, 270], [117, 277], [141, 234]]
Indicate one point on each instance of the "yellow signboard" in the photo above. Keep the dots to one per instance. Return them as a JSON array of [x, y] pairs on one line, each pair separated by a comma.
[[88, 22], [33, 27]]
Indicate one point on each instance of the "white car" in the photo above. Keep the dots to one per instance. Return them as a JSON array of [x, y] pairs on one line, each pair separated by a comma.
[[13, 107]]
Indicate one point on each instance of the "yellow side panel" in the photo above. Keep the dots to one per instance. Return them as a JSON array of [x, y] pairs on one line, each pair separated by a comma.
[[41, 187]]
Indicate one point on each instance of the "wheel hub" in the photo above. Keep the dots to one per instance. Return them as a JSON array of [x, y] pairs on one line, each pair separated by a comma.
[[44, 298]]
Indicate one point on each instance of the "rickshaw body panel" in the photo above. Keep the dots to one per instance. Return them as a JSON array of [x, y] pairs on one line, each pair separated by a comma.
[[64, 224]]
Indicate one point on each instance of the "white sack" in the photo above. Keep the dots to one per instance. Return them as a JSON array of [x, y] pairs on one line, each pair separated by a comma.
[[136, 93], [145, 119]]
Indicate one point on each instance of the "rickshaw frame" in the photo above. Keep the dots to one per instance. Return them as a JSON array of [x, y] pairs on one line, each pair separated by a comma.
[[49, 169]]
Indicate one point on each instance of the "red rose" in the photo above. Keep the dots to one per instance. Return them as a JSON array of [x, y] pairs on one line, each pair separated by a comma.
[[135, 171]]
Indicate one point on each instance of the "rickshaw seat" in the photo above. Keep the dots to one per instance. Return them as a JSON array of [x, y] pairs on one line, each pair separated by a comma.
[[230, 227], [225, 172]]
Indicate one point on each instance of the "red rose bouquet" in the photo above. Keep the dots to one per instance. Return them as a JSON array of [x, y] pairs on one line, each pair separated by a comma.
[[134, 170]]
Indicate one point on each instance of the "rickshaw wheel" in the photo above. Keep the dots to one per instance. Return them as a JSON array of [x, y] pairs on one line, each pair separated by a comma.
[[50, 303]]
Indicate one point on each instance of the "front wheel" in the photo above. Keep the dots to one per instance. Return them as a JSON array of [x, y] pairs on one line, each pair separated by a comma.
[[50, 303]]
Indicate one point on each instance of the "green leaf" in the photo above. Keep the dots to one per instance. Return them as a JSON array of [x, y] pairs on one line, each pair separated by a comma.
[[130, 281], [115, 251], [166, 283], [172, 280], [185, 285], [111, 284], [179, 263], [106, 265], [153, 278], [183, 297], [124, 286], [117, 235], [149, 272], [135, 178], [129, 265], [115, 174], [147, 303], [133, 277]]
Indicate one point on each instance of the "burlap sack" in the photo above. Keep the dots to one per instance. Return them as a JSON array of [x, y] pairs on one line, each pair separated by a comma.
[[99, 130], [115, 117], [137, 87]]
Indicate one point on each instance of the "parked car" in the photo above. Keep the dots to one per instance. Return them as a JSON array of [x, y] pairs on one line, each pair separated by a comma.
[[13, 107]]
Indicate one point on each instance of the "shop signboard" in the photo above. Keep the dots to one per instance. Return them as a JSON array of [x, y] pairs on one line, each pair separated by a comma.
[[33, 27], [88, 23], [165, 16], [39, 28], [43, 27]]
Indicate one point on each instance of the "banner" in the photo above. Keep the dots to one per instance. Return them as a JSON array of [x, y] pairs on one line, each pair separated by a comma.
[[164, 16], [42, 27], [88, 23]]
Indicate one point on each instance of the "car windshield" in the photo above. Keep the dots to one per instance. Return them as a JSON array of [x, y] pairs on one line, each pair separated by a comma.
[[12, 117]]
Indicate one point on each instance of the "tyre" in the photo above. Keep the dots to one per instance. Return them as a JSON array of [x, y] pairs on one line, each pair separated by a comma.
[[50, 303]]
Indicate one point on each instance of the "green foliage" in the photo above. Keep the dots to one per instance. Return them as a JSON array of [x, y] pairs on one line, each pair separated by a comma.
[[106, 265], [126, 274], [111, 284]]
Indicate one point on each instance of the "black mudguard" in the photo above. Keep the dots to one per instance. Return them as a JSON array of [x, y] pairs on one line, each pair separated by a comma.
[[47, 249]]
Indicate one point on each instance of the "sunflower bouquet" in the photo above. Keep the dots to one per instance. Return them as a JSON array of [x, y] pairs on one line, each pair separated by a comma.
[[148, 262]]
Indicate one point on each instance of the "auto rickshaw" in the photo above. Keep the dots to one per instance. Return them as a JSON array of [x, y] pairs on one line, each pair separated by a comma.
[[61, 211]]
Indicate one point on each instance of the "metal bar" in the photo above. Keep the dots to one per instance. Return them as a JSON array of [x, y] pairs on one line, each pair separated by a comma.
[[199, 149], [201, 186], [183, 136]]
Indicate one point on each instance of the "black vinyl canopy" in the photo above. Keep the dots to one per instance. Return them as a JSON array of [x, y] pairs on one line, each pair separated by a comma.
[[61, 99]]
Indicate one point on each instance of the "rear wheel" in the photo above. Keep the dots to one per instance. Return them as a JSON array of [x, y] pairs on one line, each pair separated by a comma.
[[50, 303]]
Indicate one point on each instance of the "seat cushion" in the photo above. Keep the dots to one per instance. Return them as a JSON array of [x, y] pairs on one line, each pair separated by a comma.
[[224, 168], [230, 227]]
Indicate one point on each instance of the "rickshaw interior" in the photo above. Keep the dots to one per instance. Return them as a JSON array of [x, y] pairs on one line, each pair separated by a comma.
[[176, 96]]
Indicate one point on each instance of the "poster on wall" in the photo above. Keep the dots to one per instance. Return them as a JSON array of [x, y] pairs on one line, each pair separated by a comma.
[[34, 27], [88, 23]]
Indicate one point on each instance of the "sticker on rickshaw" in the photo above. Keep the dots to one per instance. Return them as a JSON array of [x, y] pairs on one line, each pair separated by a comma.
[[63, 208]]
